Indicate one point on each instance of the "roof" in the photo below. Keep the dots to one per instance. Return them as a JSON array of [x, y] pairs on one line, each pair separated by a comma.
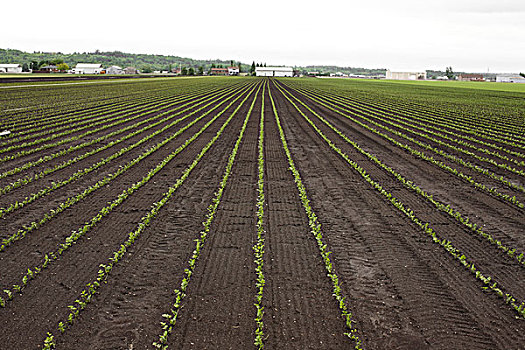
[[221, 69], [233, 67], [9, 65], [284, 69], [116, 67], [88, 65], [471, 75]]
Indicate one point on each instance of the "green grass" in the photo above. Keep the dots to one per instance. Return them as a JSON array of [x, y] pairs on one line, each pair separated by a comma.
[[510, 87]]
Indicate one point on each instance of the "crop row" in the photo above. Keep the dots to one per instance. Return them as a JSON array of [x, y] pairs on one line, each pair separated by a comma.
[[258, 248], [180, 293], [75, 235], [411, 122], [315, 229], [488, 281], [83, 115], [150, 123], [21, 233], [410, 184], [491, 190]]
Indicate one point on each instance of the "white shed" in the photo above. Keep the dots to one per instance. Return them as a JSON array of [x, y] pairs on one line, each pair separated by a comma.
[[10, 68], [406, 75], [510, 79], [114, 70], [274, 71], [87, 68]]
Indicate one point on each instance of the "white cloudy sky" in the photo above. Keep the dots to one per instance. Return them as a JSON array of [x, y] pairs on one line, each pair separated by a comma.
[[469, 35]]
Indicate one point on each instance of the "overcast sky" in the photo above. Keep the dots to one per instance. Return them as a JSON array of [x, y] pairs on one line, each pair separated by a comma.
[[469, 35]]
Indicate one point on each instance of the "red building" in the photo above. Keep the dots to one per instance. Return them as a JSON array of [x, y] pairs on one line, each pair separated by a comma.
[[219, 71]]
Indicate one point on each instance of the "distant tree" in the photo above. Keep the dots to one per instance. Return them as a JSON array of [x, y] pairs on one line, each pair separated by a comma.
[[240, 67], [252, 68], [213, 65], [146, 69], [33, 65], [62, 67], [25, 67], [449, 73], [265, 64], [56, 61], [257, 65], [522, 74], [184, 71], [191, 71], [231, 63], [169, 68], [42, 63], [200, 71]]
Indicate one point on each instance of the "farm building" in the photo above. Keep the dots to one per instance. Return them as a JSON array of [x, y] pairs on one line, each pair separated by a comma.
[[10, 68], [233, 70], [471, 77], [49, 69], [406, 75], [87, 68], [219, 71], [131, 70], [114, 70], [274, 71], [510, 79]]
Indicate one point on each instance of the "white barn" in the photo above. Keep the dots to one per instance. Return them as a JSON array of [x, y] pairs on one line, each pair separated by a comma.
[[510, 79], [274, 71], [114, 70], [406, 75], [87, 68], [10, 68]]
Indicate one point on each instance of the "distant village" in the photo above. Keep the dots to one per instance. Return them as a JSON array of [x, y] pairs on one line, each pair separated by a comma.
[[95, 68]]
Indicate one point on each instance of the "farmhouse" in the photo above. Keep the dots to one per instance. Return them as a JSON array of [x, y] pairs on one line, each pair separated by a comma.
[[233, 70], [114, 70], [406, 75], [219, 71], [471, 77], [274, 71], [510, 79], [87, 68], [10, 68]]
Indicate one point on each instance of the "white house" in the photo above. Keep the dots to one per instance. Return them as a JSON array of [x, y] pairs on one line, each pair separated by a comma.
[[233, 70], [114, 70], [510, 79], [274, 71], [406, 75], [87, 68], [10, 68]]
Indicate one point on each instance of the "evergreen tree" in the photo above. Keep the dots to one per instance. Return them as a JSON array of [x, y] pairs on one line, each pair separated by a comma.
[[252, 68], [191, 71]]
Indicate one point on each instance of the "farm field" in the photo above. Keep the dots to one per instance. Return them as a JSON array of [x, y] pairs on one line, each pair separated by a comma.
[[251, 213]]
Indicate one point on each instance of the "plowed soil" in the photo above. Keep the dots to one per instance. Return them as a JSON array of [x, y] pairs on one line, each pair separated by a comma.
[[403, 290]]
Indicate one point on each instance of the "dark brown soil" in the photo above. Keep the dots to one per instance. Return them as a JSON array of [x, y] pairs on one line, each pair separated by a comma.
[[404, 291]]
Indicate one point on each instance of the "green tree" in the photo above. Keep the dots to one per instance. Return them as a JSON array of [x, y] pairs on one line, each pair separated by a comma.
[[213, 65], [25, 67], [231, 63], [184, 71], [62, 67], [252, 68], [522, 74], [449, 73], [191, 71], [200, 71], [146, 69], [240, 67], [56, 61]]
